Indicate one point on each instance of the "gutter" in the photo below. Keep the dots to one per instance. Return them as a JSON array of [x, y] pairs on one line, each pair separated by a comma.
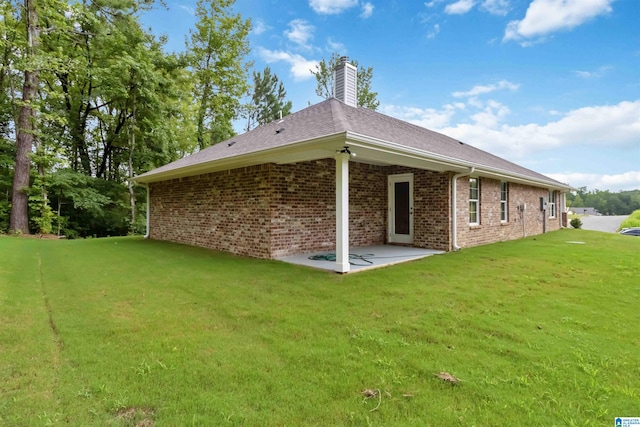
[[148, 228], [454, 207]]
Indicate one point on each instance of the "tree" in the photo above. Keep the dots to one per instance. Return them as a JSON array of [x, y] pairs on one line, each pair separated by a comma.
[[10, 38], [577, 202], [606, 202], [268, 99], [97, 69], [19, 218], [216, 52], [324, 79]]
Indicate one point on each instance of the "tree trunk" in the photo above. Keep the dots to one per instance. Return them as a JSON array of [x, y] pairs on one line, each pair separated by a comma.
[[19, 220], [132, 194]]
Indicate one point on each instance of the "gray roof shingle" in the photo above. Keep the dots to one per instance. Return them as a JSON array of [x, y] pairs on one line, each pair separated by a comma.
[[332, 117]]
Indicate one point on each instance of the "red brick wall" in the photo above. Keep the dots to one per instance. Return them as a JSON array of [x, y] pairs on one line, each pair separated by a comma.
[[432, 227], [227, 210], [279, 209], [491, 229], [431, 207], [303, 206], [269, 211], [367, 204]]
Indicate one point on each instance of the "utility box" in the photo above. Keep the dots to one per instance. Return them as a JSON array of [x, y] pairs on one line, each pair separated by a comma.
[[543, 204]]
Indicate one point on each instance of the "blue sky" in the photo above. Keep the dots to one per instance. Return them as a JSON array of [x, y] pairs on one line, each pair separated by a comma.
[[553, 85]]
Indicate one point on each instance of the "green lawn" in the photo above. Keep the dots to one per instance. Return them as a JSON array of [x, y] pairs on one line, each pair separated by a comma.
[[126, 332]]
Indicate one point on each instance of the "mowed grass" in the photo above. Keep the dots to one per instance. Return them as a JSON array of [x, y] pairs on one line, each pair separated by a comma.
[[126, 332]]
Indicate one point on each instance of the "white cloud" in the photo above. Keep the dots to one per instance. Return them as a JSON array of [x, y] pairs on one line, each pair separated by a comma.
[[331, 7], [618, 182], [615, 126], [491, 115], [191, 11], [300, 33], [460, 7], [426, 117], [300, 66], [496, 7], [260, 27], [367, 10], [434, 31], [609, 126], [601, 71], [544, 17], [336, 46], [480, 90]]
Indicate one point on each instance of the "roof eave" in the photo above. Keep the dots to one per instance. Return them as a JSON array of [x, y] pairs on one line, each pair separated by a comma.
[[282, 154], [322, 147], [456, 165]]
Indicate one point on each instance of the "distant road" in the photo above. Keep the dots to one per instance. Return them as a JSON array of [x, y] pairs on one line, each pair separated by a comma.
[[602, 223]]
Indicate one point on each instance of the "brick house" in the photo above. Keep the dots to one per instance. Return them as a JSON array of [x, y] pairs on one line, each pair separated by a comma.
[[335, 175]]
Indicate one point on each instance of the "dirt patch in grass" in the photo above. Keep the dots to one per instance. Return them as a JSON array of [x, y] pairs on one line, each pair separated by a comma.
[[37, 236], [138, 417]]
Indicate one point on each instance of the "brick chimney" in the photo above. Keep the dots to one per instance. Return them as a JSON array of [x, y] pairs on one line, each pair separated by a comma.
[[345, 82]]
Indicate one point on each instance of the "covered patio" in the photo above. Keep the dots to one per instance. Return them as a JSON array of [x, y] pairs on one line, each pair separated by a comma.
[[362, 258]]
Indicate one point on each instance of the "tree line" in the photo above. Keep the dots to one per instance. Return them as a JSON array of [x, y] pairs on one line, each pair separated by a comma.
[[89, 98], [605, 202]]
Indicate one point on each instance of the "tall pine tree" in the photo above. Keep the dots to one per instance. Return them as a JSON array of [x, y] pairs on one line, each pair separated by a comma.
[[268, 101]]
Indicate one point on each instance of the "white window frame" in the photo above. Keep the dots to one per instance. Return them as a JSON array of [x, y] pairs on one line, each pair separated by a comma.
[[551, 204], [504, 201], [474, 201]]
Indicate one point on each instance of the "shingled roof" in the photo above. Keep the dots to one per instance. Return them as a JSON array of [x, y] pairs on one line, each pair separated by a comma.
[[321, 129]]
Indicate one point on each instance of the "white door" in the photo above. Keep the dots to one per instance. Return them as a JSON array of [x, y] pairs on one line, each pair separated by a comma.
[[401, 208]]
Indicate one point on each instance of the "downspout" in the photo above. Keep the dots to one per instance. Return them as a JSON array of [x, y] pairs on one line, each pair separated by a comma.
[[148, 231], [454, 207]]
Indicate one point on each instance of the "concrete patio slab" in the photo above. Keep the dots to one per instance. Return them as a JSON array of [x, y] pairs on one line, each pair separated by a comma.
[[362, 258]]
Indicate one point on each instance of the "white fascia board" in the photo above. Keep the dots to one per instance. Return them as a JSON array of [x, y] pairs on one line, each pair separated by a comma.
[[270, 155], [456, 165], [402, 150], [519, 178]]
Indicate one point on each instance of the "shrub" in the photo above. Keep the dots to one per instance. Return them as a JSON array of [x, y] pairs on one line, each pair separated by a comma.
[[632, 221], [576, 223]]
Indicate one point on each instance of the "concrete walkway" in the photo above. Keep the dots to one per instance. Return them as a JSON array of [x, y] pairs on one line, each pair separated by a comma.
[[606, 223]]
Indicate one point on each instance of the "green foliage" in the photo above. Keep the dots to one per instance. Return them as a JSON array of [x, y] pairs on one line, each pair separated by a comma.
[[175, 335], [576, 223], [632, 221], [267, 100], [216, 52], [324, 79], [111, 103], [606, 202], [5, 209], [89, 206], [6, 178], [44, 216]]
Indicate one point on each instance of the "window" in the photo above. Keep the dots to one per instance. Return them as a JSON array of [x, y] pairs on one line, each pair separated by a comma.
[[474, 201], [551, 205], [504, 199]]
